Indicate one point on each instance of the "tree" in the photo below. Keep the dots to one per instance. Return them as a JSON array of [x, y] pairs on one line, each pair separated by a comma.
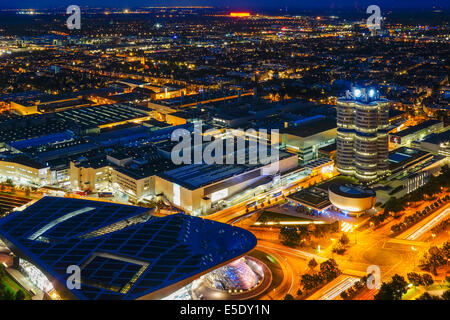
[[289, 236], [312, 263], [344, 295], [427, 279], [415, 278], [20, 295], [288, 297], [393, 205], [334, 227], [10, 183], [299, 292], [415, 196], [7, 294], [394, 290], [427, 296], [435, 258], [310, 282], [385, 293], [329, 270], [399, 285], [344, 240], [446, 295]]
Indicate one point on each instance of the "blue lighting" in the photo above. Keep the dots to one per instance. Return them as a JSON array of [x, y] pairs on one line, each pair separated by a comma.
[[371, 93], [357, 93]]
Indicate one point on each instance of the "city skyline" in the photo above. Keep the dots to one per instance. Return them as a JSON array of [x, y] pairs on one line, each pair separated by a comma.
[[239, 4], [242, 152]]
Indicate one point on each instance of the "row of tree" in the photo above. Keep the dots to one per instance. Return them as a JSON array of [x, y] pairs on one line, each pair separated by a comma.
[[420, 280], [442, 226], [417, 216], [354, 290], [427, 296], [398, 286], [393, 290], [295, 236], [393, 206], [328, 271], [435, 257]]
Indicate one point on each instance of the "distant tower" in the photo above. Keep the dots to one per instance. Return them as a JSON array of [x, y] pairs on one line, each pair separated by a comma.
[[362, 138]]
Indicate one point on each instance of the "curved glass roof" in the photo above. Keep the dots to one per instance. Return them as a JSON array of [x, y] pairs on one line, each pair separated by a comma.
[[123, 251]]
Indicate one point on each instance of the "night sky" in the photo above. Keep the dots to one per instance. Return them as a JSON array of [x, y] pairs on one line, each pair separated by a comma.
[[228, 3]]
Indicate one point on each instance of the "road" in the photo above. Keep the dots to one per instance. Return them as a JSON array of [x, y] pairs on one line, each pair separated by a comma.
[[340, 285], [421, 228], [279, 248], [288, 281], [367, 247], [265, 199]]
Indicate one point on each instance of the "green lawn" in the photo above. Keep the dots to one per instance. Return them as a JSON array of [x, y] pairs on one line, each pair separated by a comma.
[[13, 286]]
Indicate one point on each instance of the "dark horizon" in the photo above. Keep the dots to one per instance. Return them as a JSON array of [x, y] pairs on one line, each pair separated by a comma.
[[232, 4]]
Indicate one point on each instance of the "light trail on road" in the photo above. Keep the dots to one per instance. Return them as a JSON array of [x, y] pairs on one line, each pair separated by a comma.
[[416, 234], [343, 285], [298, 253], [287, 283]]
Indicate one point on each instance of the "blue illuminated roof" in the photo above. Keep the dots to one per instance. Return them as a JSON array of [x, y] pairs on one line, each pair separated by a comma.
[[43, 140], [398, 157], [123, 251]]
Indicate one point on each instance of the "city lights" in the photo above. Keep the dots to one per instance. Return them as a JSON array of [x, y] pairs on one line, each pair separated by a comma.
[[239, 14], [229, 151]]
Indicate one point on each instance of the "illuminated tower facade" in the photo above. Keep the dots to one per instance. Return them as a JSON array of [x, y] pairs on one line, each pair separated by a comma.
[[362, 138]]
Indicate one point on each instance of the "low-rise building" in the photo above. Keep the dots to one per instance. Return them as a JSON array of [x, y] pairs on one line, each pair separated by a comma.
[[436, 143], [23, 170], [90, 175], [417, 132], [307, 138], [197, 188]]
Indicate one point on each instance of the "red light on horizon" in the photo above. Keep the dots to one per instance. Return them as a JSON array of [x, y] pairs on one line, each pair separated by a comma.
[[240, 14]]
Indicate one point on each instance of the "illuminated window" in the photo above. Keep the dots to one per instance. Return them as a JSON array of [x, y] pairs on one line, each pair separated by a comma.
[[176, 195]]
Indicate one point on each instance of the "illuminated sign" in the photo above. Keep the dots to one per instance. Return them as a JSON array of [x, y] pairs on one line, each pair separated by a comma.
[[396, 139], [327, 169], [277, 194], [176, 194], [219, 195], [240, 14]]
